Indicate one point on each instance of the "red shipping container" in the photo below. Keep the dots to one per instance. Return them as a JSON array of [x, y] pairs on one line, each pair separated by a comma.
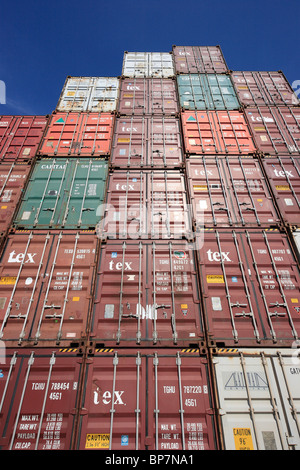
[[251, 288], [146, 204], [38, 393], [275, 129], [74, 134], [199, 59], [13, 178], [216, 132], [46, 284], [20, 137], [147, 400], [283, 174], [229, 191], [147, 293], [147, 142], [141, 96]]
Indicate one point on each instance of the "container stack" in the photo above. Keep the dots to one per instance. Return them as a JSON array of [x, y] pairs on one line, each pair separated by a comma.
[[150, 264]]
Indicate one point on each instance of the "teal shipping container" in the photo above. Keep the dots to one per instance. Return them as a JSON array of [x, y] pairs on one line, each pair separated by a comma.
[[207, 91], [64, 193]]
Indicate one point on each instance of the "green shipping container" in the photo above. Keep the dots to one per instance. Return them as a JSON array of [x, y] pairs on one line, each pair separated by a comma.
[[64, 193], [207, 92]]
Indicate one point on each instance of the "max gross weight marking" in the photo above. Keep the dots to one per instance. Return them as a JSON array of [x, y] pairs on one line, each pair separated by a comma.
[[151, 459]]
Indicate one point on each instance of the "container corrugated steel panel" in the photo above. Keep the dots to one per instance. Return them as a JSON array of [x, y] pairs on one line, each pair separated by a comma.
[[199, 59], [147, 400], [148, 64], [229, 192], [259, 399], [64, 193], [251, 287], [146, 204], [20, 137], [38, 393], [95, 94], [46, 283], [140, 96], [275, 129], [147, 142], [263, 88], [13, 178], [216, 132], [78, 134], [147, 293], [283, 174], [206, 91]]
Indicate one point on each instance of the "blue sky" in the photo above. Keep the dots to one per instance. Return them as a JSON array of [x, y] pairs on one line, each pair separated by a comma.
[[43, 42]]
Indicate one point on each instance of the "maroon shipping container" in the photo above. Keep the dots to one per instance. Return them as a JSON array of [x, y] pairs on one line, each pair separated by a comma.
[[264, 88], [229, 192], [251, 288], [46, 283], [20, 137], [38, 393], [146, 204], [283, 174], [216, 132], [199, 59], [141, 142], [147, 293], [141, 96], [275, 129], [147, 400], [13, 178]]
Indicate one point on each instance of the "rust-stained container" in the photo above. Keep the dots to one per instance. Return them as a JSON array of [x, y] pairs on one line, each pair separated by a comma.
[[46, 287], [199, 59], [258, 398], [147, 142], [13, 178], [216, 132], [263, 88], [283, 174], [229, 191], [20, 137], [141, 96], [250, 286], [95, 94], [146, 204], [147, 293], [275, 129], [78, 134], [148, 399], [148, 64], [38, 394]]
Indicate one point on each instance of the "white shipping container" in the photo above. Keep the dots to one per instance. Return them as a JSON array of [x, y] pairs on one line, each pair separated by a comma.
[[148, 64], [258, 394], [95, 94]]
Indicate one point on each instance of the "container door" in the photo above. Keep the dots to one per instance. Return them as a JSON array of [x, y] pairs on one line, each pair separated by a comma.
[[104, 95], [157, 298], [284, 176], [38, 392], [76, 94], [258, 399], [146, 400], [250, 288], [133, 96], [162, 97]]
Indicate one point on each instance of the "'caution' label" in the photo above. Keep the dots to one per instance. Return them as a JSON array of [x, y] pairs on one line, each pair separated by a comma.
[[7, 280], [97, 441], [215, 279], [243, 439]]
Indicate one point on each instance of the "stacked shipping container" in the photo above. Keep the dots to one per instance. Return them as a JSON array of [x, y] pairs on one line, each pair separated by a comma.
[[149, 269]]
